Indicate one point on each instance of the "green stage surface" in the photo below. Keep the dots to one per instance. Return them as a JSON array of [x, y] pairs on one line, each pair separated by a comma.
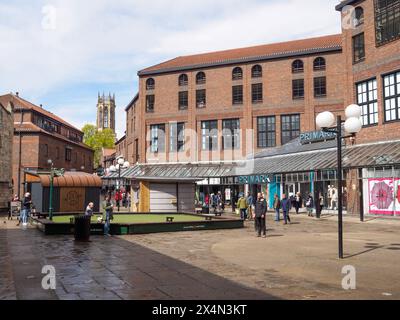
[[137, 218]]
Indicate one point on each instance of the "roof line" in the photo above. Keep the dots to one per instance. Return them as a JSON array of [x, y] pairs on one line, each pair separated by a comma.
[[135, 98], [267, 57]]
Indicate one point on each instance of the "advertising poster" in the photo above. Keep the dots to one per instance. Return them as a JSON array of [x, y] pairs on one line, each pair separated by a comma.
[[383, 196], [397, 196]]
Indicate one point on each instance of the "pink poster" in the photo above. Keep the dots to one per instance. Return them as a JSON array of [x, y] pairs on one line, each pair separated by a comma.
[[384, 196]]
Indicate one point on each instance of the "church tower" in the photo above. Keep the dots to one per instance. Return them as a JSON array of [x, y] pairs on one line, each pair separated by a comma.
[[106, 112]]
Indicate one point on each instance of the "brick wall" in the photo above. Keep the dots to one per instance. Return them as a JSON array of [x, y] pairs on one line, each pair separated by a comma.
[[379, 60], [6, 134], [277, 100]]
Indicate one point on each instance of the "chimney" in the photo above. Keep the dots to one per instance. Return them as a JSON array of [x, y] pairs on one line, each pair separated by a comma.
[[17, 94]]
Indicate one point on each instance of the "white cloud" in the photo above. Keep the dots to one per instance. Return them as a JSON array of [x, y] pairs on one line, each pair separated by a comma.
[[101, 43]]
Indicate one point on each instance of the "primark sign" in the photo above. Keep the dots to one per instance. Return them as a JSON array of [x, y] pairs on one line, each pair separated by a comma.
[[250, 180], [316, 136]]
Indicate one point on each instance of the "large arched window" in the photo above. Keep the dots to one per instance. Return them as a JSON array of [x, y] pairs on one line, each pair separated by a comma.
[[319, 64], [183, 80], [201, 78], [256, 71], [105, 119], [359, 16], [237, 73], [297, 66], [150, 84]]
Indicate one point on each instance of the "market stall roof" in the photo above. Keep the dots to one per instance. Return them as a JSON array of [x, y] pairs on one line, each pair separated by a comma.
[[172, 172], [70, 179], [357, 156]]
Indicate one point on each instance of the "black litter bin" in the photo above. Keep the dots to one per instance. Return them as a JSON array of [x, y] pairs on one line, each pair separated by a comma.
[[82, 228]]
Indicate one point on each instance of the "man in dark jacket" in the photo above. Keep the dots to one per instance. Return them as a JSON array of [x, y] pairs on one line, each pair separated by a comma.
[[286, 206], [260, 215]]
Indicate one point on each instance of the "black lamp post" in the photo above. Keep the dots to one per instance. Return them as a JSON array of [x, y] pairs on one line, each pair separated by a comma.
[[352, 126]]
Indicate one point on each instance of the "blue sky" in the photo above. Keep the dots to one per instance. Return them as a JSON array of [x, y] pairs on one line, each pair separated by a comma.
[[61, 53]]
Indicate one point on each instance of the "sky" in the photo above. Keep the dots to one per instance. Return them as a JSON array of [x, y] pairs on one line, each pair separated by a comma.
[[61, 53]]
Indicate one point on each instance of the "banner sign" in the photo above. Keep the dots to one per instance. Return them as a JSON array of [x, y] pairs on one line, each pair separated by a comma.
[[384, 196], [316, 136]]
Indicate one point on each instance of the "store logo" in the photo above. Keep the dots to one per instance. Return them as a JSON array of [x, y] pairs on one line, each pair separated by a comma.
[[316, 136], [349, 281], [49, 280]]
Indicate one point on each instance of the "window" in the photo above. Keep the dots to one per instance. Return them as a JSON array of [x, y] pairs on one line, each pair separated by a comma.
[[266, 132], [256, 71], [105, 119], [45, 150], [298, 66], [237, 74], [367, 99], [290, 127], [231, 134], [237, 95], [257, 93], [150, 100], [177, 137], [320, 87], [391, 95], [201, 78], [150, 84], [68, 156], [319, 64], [387, 21], [298, 89], [358, 48], [136, 150], [359, 16], [209, 135], [201, 98], [183, 80], [157, 138], [183, 100]]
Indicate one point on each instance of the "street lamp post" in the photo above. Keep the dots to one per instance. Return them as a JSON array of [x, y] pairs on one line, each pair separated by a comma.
[[121, 164], [352, 125], [53, 173]]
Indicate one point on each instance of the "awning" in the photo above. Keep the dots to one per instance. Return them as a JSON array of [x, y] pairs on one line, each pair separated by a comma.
[[358, 156], [70, 179], [171, 172]]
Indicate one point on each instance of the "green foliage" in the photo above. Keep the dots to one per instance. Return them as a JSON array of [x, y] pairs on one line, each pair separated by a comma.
[[98, 140]]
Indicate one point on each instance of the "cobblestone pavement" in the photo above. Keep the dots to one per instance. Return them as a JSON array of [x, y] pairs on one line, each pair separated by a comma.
[[297, 261], [106, 268]]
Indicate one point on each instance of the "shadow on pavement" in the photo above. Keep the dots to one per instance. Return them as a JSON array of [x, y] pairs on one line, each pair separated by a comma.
[[109, 268]]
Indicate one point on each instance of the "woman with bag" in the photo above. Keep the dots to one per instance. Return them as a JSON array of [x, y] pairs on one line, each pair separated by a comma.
[[310, 205]]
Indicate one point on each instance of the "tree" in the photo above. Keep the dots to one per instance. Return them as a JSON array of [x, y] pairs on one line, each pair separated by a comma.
[[98, 140]]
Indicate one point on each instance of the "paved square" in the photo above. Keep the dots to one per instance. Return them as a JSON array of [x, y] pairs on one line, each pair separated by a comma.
[[297, 261]]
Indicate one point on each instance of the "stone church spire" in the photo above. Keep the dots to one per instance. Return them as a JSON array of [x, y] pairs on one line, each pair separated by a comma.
[[106, 112]]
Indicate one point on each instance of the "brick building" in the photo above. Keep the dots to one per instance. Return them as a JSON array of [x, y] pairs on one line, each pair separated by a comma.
[[120, 148], [275, 89], [132, 131], [224, 106], [39, 135], [6, 136], [371, 46]]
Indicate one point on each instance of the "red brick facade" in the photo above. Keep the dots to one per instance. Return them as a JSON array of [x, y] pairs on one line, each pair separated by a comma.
[[39, 136], [277, 77], [379, 60]]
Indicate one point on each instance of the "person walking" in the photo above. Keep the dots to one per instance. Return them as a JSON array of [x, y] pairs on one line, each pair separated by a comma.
[[26, 208], [108, 208], [277, 208], [286, 206], [89, 209], [298, 202], [249, 201], [320, 202], [310, 205], [260, 211], [242, 206]]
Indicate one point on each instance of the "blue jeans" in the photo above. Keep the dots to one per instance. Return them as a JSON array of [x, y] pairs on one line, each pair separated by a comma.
[[107, 224], [243, 214], [277, 215], [286, 216], [24, 216]]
